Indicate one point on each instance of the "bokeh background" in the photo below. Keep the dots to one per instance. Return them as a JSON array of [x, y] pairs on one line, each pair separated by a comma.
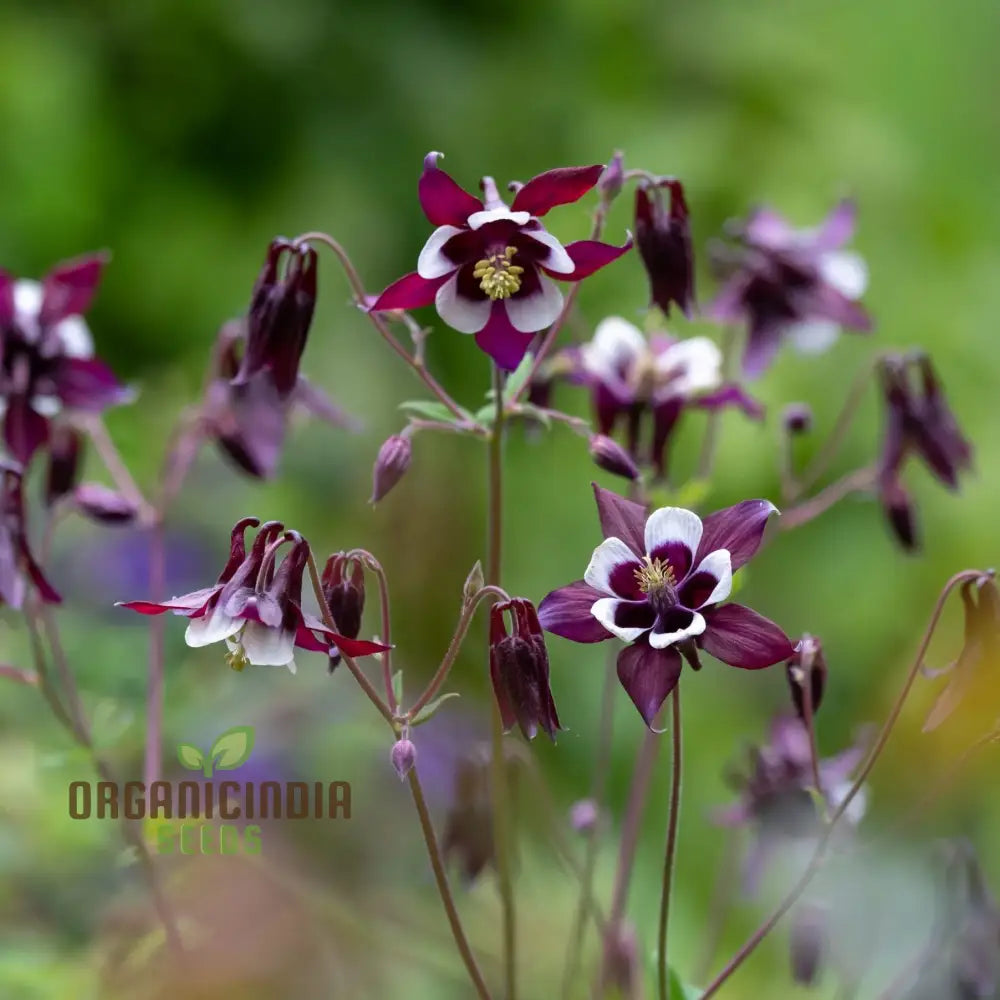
[[182, 136]]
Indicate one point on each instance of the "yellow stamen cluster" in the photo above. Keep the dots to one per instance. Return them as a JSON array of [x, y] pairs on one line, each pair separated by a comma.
[[654, 576], [237, 658], [498, 277]]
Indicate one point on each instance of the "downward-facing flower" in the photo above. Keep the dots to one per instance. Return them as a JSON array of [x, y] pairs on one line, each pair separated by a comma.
[[794, 284], [664, 240], [255, 607], [487, 266], [16, 560], [46, 354], [658, 583]]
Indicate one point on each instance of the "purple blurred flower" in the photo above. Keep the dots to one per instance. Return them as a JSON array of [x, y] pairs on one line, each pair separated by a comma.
[[792, 284], [657, 582], [664, 241], [16, 558], [487, 265]]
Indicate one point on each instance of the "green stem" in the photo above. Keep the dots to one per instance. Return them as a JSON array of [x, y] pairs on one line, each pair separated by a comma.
[[663, 968]]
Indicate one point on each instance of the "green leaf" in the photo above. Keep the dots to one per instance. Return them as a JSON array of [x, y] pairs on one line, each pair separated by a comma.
[[430, 709], [528, 411], [433, 410], [232, 748], [518, 378], [397, 686], [190, 756], [485, 415]]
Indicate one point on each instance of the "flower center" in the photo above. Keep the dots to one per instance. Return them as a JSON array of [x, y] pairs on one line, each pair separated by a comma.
[[656, 580], [237, 657], [498, 277]]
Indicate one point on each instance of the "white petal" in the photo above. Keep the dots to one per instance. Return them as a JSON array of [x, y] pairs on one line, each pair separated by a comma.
[[478, 219], [27, 305], [47, 406], [610, 553], [813, 336], [460, 313], [720, 565], [617, 344], [432, 263], [268, 647], [211, 628], [530, 313], [74, 335], [673, 524], [604, 611], [558, 260], [859, 804], [695, 364], [846, 271], [660, 640]]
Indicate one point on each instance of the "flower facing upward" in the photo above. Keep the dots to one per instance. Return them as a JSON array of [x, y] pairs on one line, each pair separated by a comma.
[[657, 582], [795, 284], [46, 354], [487, 266], [16, 559], [255, 607]]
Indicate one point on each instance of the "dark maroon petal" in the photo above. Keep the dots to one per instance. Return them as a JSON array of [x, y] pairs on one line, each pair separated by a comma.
[[443, 201], [673, 620], [729, 305], [89, 384], [189, 604], [621, 518], [738, 530], [566, 612], [505, 345], [648, 676], [556, 187], [70, 288], [409, 292], [665, 417], [677, 556], [356, 648], [46, 591], [827, 303], [623, 581], [590, 256], [763, 341], [305, 639], [24, 430], [634, 614], [733, 394], [696, 589], [6, 299], [742, 638]]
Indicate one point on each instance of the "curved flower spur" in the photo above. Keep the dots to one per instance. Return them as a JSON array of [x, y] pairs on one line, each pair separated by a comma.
[[658, 583], [487, 266], [255, 607]]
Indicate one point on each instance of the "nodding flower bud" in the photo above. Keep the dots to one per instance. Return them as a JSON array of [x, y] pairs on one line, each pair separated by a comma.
[[390, 465], [519, 669], [621, 965], [612, 457], [343, 583], [664, 241], [64, 462], [610, 183], [806, 672], [103, 504], [584, 816], [797, 418], [403, 757], [899, 510], [808, 942]]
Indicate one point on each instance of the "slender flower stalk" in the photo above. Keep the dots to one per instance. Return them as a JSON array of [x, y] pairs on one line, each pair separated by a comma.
[[662, 966]]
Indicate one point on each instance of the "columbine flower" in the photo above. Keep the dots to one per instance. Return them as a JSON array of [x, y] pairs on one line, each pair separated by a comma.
[[629, 377], [664, 241], [15, 554], [919, 422], [487, 266], [792, 283], [519, 669], [343, 584], [657, 582], [46, 354], [255, 608]]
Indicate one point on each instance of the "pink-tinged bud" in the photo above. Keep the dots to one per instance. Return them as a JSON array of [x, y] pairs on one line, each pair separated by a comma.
[[610, 183], [390, 466], [64, 462], [806, 672], [584, 816], [612, 457], [797, 418], [403, 757], [104, 504]]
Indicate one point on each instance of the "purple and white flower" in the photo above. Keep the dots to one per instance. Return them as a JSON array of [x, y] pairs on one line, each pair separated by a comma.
[[487, 266], [658, 582]]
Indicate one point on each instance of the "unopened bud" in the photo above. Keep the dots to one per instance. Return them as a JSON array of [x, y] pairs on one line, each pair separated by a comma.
[[344, 591], [612, 457], [474, 582], [583, 816], [403, 757], [610, 182], [104, 504], [898, 507], [808, 943], [806, 672], [797, 418], [64, 462], [390, 466]]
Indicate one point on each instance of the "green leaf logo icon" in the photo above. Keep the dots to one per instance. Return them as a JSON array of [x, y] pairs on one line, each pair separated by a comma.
[[232, 748], [190, 756]]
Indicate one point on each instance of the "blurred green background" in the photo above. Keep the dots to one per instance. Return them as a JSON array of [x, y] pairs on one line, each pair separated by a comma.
[[183, 136]]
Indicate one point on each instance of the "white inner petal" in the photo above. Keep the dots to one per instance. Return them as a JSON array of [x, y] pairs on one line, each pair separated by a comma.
[[813, 336], [616, 345], [695, 365], [673, 524], [460, 313], [604, 611], [211, 628], [855, 812], [432, 263], [75, 337], [268, 647], [534, 312], [478, 219], [660, 640], [558, 259], [720, 565], [27, 305], [47, 406], [610, 553], [846, 271]]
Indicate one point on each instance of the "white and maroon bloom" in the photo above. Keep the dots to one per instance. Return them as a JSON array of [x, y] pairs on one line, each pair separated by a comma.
[[46, 354], [664, 240], [487, 266], [793, 284], [658, 583], [16, 560], [257, 608]]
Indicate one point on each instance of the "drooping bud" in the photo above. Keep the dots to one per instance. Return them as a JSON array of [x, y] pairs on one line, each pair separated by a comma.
[[343, 586], [797, 418], [519, 669], [468, 829], [403, 757], [612, 457], [610, 183], [474, 582], [390, 465], [65, 444], [664, 241], [899, 509], [806, 672], [621, 965], [584, 816], [103, 504], [808, 942]]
